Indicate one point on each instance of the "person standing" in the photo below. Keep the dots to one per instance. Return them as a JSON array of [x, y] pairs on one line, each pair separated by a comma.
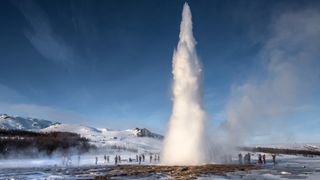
[[245, 159], [140, 159], [240, 158], [96, 160], [150, 158], [264, 158], [259, 159], [116, 160], [274, 159]]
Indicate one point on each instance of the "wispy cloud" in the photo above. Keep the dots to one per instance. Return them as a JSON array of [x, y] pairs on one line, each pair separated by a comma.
[[42, 36]]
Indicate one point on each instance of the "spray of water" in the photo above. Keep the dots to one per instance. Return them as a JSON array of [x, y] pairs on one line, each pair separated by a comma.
[[184, 142]]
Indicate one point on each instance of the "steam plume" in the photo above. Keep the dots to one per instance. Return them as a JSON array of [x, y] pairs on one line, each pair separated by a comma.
[[184, 143], [291, 77]]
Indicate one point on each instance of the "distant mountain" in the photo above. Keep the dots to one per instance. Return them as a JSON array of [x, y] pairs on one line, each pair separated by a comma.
[[21, 123], [146, 133], [134, 140]]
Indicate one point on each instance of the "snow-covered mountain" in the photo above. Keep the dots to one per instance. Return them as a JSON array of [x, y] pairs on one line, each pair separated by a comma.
[[134, 140], [21, 123]]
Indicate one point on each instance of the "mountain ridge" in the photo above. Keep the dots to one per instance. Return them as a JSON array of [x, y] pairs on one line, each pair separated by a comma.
[[137, 139]]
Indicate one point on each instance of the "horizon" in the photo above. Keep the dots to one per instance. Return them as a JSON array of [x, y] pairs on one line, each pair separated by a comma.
[[107, 64]]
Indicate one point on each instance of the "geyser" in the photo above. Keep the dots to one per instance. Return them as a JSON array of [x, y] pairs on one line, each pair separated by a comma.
[[184, 143]]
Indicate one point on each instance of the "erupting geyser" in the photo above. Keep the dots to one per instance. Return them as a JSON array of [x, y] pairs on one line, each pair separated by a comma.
[[184, 143]]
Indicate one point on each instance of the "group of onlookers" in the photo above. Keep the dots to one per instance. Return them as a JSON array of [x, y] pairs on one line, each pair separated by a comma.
[[261, 159], [139, 158]]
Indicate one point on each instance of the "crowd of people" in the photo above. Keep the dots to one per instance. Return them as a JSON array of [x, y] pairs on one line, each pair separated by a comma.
[[262, 159], [153, 158]]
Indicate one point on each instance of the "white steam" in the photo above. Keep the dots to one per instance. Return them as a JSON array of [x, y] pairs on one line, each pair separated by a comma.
[[184, 142], [290, 69]]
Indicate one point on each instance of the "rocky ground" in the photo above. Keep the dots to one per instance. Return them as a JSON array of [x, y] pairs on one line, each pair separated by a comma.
[[176, 172]]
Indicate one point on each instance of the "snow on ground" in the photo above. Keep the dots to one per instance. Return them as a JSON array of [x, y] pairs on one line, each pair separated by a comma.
[[128, 144], [22, 123], [59, 167], [287, 167], [133, 140], [88, 159], [113, 139], [296, 146]]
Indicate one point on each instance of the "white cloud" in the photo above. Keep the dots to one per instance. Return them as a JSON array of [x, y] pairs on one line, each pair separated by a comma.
[[42, 36]]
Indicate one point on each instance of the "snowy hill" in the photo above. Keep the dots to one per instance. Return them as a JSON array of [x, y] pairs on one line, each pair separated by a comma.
[[134, 140], [21, 123], [296, 146]]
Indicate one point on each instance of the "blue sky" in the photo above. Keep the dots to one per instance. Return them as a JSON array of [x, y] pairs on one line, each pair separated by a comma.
[[108, 63]]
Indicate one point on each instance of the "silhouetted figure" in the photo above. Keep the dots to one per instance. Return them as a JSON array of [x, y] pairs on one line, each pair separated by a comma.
[[264, 158], [274, 159], [245, 159], [143, 157], [139, 159], [150, 158], [259, 159], [240, 158], [116, 160], [96, 160], [130, 160], [155, 157], [105, 158], [249, 158], [119, 159]]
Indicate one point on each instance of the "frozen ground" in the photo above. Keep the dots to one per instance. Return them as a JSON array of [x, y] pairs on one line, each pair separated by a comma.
[[102, 137], [296, 146], [287, 167], [62, 167]]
